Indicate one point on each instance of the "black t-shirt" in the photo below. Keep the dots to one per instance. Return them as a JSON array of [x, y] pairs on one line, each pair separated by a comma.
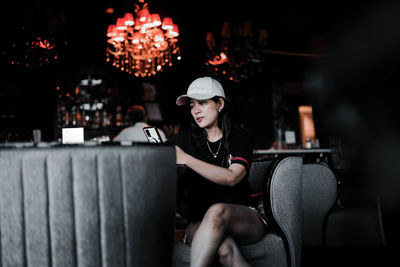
[[202, 193]]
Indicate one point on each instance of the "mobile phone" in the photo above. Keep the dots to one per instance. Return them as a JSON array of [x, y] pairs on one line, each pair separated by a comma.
[[152, 134]]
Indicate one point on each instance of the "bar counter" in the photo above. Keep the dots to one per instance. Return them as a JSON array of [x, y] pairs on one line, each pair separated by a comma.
[[308, 155]]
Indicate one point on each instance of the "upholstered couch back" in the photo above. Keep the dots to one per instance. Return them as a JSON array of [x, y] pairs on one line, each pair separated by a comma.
[[106, 206]]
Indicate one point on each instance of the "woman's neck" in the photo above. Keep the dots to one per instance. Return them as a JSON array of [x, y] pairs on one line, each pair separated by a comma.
[[213, 134]]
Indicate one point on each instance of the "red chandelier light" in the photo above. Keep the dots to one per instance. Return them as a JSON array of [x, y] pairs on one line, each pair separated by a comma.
[[142, 44]]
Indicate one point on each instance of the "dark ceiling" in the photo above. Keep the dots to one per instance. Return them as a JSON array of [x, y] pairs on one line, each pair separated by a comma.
[[80, 26]]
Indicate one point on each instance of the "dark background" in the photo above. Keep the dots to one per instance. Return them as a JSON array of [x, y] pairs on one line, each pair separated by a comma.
[[28, 95]]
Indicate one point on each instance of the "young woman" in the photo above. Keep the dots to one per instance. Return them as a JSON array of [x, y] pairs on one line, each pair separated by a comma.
[[218, 157]]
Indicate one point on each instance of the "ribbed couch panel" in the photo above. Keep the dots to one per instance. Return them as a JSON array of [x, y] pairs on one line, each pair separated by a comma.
[[107, 206]]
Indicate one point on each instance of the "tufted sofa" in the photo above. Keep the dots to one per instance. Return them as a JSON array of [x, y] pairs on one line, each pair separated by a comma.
[[106, 206]]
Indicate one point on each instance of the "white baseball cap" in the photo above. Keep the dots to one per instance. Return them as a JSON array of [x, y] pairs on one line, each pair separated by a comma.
[[201, 89]]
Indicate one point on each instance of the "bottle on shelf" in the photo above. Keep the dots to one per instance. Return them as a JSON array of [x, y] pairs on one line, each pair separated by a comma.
[[66, 119], [119, 119], [96, 120], [106, 119], [308, 143], [78, 117]]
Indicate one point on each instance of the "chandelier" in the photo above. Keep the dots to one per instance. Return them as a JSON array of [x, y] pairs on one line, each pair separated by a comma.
[[32, 52], [142, 44], [238, 57], [32, 41]]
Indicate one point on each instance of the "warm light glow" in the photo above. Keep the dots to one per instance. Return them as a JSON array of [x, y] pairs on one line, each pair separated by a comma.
[[219, 59], [129, 21], [306, 124], [109, 10], [156, 19], [158, 36], [119, 38], [111, 31], [174, 30], [138, 24], [136, 38], [121, 24], [138, 45], [305, 109], [143, 14], [44, 44], [167, 23], [148, 23]]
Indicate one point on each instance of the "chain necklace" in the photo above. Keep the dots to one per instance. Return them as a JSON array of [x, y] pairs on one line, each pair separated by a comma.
[[216, 153]]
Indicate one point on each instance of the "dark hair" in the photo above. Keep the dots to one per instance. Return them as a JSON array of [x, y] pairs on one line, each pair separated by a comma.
[[136, 113], [224, 123]]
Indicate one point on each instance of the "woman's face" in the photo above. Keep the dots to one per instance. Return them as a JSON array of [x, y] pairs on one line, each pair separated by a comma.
[[205, 112]]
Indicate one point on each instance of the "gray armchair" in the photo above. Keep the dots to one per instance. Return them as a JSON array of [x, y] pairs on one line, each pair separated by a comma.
[[318, 197], [324, 226], [87, 206], [329, 232], [281, 182]]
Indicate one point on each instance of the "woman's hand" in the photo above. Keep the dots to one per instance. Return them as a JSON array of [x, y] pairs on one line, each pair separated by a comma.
[[181, 156]]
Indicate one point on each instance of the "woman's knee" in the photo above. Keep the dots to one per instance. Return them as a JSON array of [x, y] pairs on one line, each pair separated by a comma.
[[217, 216]]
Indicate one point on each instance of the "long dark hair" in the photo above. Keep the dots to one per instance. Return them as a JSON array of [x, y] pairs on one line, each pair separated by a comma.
[[224, 123]]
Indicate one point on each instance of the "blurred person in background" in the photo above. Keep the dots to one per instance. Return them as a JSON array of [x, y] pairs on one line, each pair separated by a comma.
[[138, 118]]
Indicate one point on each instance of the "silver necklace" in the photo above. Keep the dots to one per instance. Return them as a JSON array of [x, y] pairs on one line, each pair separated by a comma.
[[216, 153]]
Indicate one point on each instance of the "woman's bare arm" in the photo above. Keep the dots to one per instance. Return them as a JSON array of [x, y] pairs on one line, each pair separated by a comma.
[[220, 175]]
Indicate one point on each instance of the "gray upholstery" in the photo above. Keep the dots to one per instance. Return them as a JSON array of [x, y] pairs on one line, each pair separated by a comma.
[[319, 195], [257, 174], [285, 197], [339, 227], [285, 202], [87, 206]]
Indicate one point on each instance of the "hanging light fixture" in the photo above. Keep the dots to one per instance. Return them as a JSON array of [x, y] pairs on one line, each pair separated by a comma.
[[238, 57], [35, 52], [31, 41], [142, 44]]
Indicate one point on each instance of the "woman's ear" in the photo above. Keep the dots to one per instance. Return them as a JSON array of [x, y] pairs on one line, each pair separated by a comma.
[[221, 104]]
